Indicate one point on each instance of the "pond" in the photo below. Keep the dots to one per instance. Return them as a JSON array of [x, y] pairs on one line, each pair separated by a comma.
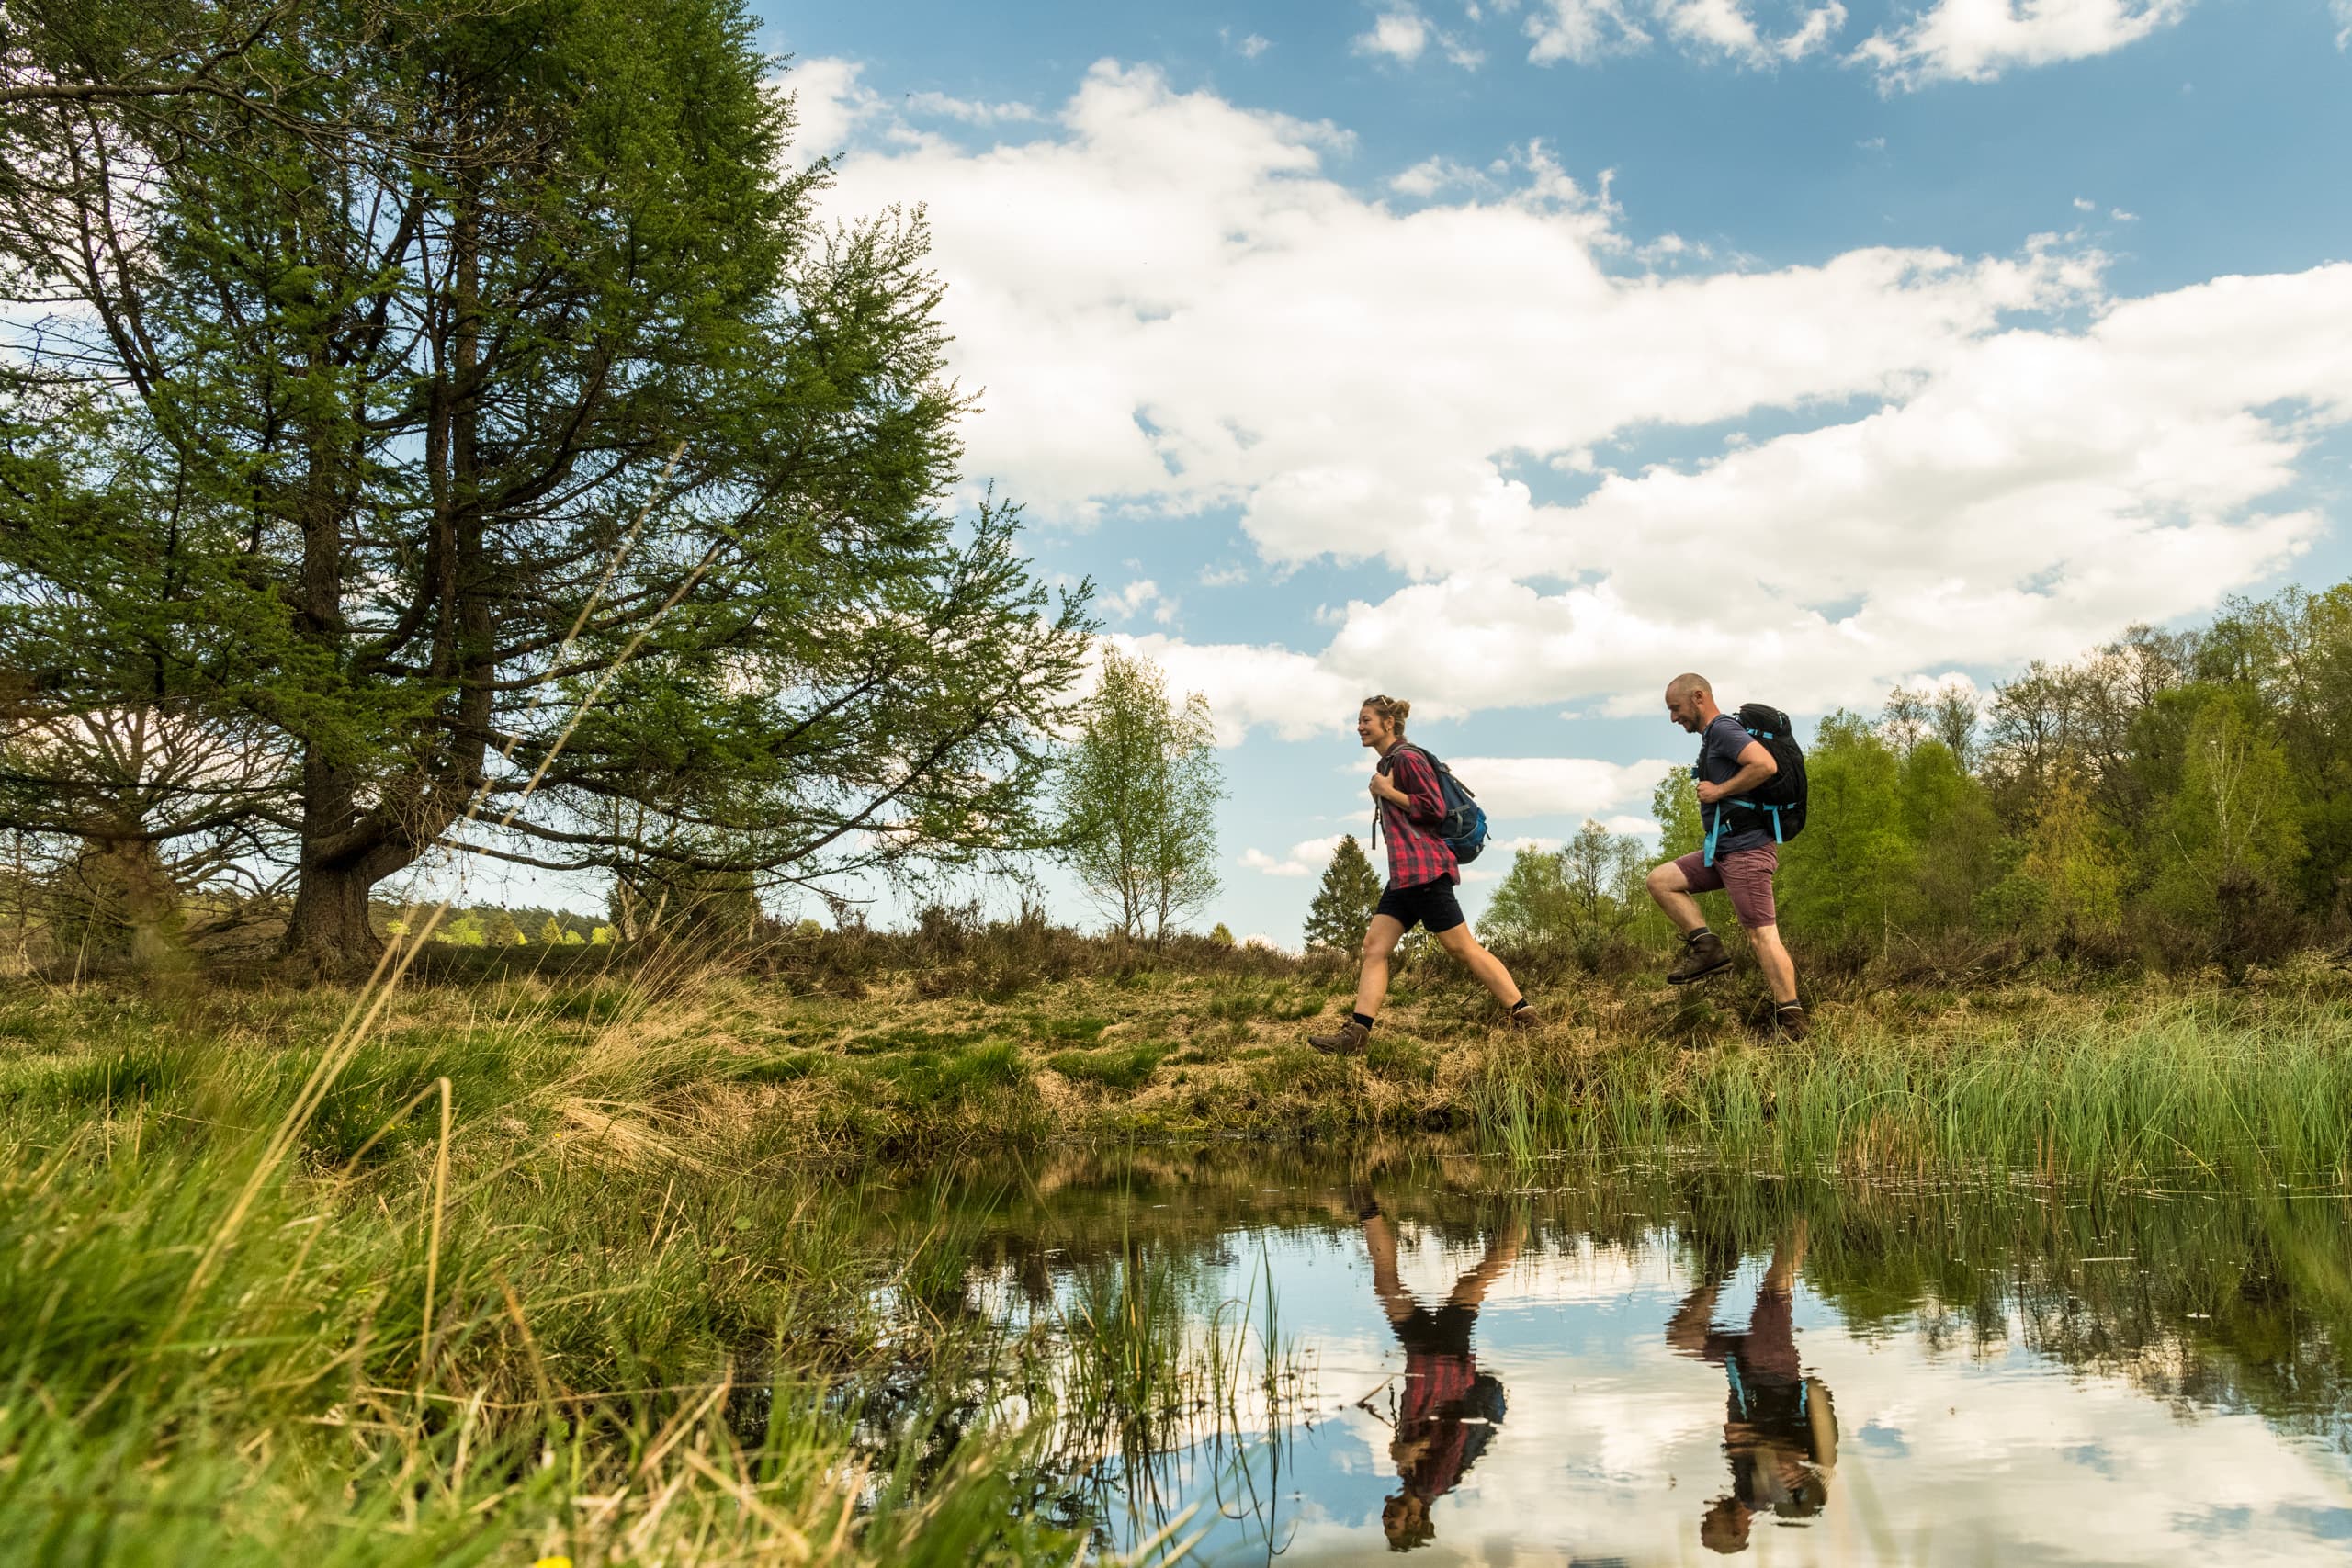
[[1328, 1358]]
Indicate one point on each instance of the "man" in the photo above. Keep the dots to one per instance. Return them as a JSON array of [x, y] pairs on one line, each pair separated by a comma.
[[1421, 875], [1731, 763], [1779, 1430]]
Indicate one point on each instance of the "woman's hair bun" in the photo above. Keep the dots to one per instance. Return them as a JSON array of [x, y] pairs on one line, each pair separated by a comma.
[[1393, 709]]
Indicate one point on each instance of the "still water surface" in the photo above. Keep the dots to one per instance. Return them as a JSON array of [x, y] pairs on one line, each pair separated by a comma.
[[1658, 1363]]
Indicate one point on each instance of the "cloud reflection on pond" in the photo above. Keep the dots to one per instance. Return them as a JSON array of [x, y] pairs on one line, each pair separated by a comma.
[[1493, 1385]]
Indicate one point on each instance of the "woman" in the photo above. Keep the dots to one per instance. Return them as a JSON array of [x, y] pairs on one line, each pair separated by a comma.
[[1421, 875], [1447, 1410]]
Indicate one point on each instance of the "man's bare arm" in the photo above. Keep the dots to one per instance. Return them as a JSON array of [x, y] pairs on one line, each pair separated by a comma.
[[1756, 765]]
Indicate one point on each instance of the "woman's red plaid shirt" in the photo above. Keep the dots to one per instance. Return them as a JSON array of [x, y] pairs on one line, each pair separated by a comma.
[[1416, 855]]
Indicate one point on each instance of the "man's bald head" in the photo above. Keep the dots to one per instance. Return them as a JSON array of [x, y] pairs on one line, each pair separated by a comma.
[[1690, 702]]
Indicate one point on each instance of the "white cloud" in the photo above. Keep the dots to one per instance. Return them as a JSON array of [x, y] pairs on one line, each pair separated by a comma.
[[1584, 31], [1723, 28], [1401, 35], [1975, 40], [1252, 46], [970, 111], [1432, 175], [1508, 847], [1515, 788], [1994, 458], [1138, 597], [1307, 858], [1249, 686], [829, 102], [1224, 576], [2343, 9]]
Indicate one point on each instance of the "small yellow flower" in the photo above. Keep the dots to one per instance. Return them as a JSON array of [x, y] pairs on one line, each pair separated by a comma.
[[552, 1563]]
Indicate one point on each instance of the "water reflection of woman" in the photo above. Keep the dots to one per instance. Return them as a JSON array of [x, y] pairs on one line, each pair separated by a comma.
[[1780, 1431], [1449, 1409]]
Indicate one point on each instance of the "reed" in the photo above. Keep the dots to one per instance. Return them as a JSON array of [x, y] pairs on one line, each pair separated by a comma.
[[529, 1312]]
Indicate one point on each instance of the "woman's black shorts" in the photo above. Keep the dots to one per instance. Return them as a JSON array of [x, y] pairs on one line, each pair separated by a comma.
[[1431, 904]]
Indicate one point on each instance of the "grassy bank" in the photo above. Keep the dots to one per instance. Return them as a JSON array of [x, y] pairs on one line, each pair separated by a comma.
[[584, 1266], [2121, 1074]]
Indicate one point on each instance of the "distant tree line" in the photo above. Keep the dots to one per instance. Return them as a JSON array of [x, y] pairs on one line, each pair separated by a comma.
[[2176, 798], [497, 925]]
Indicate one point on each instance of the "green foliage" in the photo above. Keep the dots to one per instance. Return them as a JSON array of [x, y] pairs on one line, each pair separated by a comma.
[[1584, 896], [2185, 796], [2235, 813], [1849, 880], [2066, 887], [507, 371], [1344, 904], [1674, 803], [1139, 793]]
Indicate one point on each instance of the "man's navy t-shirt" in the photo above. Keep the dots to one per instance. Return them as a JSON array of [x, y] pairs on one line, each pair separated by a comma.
[[1720, 745]]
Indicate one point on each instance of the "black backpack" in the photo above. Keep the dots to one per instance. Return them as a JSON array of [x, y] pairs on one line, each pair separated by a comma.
[[1779, 801]]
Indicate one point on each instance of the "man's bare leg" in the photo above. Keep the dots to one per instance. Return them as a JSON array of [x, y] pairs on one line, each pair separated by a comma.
[[1489, 970], [1672, 893], [1779, 970]]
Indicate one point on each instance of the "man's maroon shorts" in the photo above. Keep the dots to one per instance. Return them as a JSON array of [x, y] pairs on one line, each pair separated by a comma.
[[1745, 874]]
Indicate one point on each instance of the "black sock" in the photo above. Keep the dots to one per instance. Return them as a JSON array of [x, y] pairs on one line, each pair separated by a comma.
[[1362, 1018], [1520, 1006], [1693, 936]]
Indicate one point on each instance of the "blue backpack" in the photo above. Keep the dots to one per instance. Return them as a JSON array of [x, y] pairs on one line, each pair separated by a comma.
[[1464, 825]]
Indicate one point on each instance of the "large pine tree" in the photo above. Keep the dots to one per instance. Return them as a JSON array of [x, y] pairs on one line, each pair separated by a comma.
[[431, 370]]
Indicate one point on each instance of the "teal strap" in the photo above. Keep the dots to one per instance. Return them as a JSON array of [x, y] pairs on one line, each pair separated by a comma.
[[1752, 805]]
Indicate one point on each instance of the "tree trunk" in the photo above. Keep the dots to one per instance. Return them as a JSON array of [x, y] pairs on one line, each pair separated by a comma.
[[329, 935], [120, 907]]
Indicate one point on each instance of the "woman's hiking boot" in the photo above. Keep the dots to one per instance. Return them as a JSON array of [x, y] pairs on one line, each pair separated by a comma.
[[1789, 1019], [1347, 1041], [1703, 954], [1522, 1021]]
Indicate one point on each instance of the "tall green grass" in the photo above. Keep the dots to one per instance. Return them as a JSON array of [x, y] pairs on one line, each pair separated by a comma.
[[2202, 1082], [503, 1293]]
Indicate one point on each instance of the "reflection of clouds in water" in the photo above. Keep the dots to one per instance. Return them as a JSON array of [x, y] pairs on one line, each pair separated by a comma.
[[1614, 1445]]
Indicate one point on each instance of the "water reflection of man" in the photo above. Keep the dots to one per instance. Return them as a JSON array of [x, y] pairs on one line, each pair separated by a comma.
[[1780, 1431], [1449, 1409]]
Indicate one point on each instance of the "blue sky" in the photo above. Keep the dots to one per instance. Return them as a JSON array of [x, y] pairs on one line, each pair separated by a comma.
[[1512, 357]]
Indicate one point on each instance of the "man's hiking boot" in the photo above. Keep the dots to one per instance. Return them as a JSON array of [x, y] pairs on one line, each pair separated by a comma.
[[1789, 1019], [1348, 1040], [1703, 954], [1522, 1021]]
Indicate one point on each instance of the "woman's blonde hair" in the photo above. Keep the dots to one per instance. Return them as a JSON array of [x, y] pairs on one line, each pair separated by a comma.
[[1393, 709]]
